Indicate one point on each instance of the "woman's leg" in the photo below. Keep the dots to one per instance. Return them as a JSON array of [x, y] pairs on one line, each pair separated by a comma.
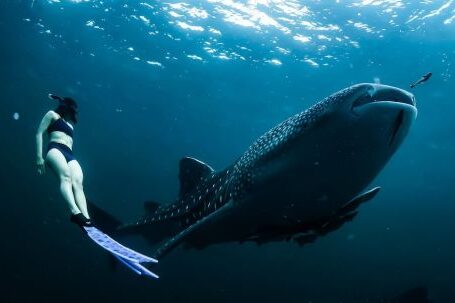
[[76, 178], [57, 162]]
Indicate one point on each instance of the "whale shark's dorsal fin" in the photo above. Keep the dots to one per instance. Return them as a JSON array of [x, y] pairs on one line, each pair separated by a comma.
[[191, 173]]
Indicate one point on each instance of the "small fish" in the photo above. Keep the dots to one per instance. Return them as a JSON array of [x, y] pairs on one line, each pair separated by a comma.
[[422, 80]]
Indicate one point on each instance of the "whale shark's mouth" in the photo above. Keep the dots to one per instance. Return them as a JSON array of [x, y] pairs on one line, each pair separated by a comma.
[[396, 106], [375, 94]]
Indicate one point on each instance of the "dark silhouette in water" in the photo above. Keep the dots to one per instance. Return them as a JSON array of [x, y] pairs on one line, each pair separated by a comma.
[[421, 80], [414, 295], [298, 181]]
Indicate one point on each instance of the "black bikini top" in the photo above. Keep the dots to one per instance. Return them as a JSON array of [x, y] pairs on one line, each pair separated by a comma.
[[60, 125]]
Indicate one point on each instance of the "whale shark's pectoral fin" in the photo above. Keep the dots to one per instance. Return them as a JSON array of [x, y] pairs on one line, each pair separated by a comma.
[[347, 213], [329, 226], [344, 215], [180, 237], [308, 232], [335, 223], [362, 198]]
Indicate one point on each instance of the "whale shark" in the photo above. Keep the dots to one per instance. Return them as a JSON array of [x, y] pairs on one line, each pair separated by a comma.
[[300, 180]]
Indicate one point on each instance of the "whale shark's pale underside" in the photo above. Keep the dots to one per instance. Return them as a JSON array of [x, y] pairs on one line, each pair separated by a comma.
[[300, 180]]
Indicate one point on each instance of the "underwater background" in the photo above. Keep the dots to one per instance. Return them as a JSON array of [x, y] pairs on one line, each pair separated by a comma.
[[159, 80]]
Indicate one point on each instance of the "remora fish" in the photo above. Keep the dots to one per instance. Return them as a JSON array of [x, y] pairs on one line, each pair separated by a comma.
[[300, 180], [423, 79]]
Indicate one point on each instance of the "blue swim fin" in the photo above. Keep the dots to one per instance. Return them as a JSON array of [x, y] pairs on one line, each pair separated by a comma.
[[130, 258], [136, 267]]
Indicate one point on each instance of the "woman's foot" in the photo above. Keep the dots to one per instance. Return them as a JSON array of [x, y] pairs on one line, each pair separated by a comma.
[[80, 220]]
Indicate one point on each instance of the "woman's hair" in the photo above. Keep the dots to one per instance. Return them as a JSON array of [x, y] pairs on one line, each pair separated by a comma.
[[67, 109]]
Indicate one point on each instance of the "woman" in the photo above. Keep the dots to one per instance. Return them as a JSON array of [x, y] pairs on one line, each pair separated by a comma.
[[58, 124]]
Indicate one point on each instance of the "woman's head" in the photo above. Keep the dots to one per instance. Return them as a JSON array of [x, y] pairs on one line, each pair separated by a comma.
[[67, 108]]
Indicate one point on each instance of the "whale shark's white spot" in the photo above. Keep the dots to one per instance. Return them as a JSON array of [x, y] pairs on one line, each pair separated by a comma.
[[16, 116]]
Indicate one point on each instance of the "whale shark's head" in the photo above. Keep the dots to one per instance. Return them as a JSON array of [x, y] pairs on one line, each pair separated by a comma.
[[350, 137], [334, 149], [382, 112]]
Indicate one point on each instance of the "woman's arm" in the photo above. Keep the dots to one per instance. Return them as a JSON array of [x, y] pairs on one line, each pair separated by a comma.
[[45, 122]]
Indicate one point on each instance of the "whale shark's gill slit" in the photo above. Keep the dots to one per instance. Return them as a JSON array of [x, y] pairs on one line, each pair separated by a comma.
[[396, 127]]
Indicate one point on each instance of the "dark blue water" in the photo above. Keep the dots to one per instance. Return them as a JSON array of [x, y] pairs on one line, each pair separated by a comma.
[[158, 81]]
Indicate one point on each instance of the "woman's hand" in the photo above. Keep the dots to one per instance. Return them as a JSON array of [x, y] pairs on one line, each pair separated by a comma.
[[41, 166]]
